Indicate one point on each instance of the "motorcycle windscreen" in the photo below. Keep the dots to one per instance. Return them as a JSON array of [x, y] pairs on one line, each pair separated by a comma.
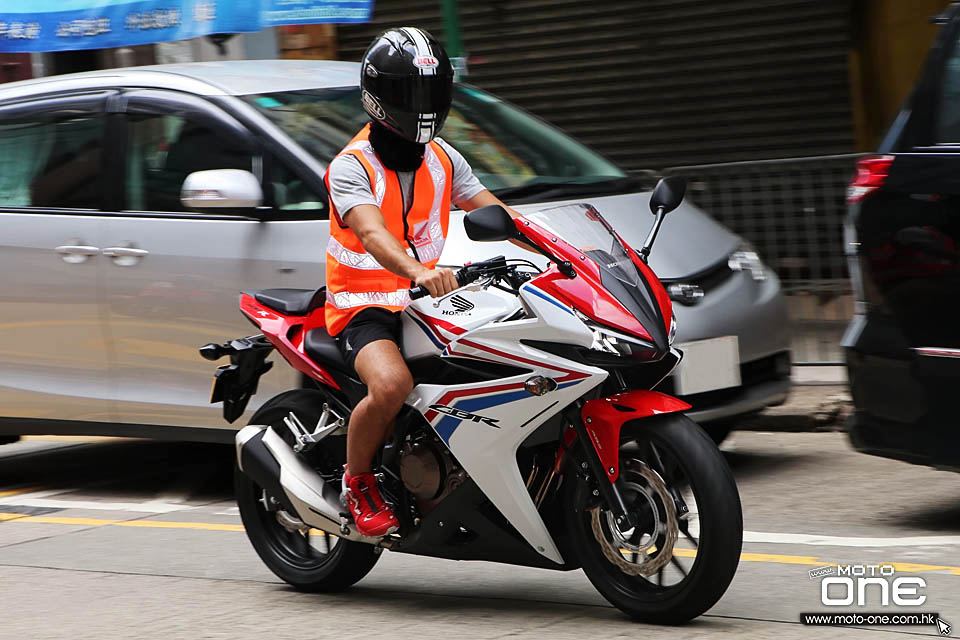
[[582, 226]]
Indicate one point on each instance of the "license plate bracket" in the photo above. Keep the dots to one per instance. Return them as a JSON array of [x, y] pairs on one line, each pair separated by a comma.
[[708, 365]]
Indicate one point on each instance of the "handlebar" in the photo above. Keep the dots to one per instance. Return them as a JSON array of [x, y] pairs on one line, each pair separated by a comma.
[[422, 292], [468, 274]]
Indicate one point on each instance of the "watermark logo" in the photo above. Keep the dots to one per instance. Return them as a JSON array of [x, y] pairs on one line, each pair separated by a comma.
[[860, 583], [871, 585]]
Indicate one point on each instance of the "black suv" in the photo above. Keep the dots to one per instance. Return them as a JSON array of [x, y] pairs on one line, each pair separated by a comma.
[[903, 243]]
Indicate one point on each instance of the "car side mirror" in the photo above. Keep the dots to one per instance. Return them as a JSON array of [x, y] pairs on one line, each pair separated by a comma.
[[491, 223], [668, 194], [221, 189]]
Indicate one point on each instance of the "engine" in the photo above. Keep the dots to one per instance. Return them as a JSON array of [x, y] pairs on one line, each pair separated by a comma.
[[429, 472]]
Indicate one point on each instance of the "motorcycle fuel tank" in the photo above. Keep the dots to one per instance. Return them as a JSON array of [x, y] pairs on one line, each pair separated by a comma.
[[428, 324]]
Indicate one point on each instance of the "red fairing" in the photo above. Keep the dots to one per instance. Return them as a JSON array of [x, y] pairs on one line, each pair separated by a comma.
[[286, 333], [585, 292], [603, 420]]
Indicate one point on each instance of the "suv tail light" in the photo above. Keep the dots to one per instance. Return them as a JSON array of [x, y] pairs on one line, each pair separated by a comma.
[[872, 172]]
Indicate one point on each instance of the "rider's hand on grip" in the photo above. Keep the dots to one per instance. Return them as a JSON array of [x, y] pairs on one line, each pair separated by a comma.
[[439, 282]]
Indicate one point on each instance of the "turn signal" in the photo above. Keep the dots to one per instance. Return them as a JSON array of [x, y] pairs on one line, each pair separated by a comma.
[[539, 385]]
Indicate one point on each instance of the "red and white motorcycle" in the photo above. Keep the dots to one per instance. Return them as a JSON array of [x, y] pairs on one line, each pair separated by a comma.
[[521, 442]]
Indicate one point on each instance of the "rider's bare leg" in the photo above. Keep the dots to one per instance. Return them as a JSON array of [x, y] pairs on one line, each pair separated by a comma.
[[381, 367]]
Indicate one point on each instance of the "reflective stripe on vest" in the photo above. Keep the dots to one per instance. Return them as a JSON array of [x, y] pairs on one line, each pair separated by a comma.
[[354, 259], [355, 279], [350, 300]]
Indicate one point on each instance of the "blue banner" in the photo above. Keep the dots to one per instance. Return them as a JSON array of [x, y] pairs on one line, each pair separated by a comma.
[[61, 25], [279, 12]]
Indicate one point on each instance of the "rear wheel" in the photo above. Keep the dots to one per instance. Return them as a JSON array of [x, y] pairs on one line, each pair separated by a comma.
[[679, 559], [308, 559]]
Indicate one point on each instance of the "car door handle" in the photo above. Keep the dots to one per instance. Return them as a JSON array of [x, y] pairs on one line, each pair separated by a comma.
[[116, 252], [78, 250], [76, 253]]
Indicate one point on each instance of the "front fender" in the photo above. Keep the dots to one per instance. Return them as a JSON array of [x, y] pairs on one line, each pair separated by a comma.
[[604, 417]]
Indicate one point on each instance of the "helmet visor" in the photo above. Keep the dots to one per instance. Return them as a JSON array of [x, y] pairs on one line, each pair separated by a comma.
[[416, 94]]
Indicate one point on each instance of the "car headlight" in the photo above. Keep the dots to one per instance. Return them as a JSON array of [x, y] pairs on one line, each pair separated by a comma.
[[673, 329], [745, 258]]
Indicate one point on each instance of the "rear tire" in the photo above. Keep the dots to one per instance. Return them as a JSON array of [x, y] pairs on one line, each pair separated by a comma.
[[292, 555], [711, 494]]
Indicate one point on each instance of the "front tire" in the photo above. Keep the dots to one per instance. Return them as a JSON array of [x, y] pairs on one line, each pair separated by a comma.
[[667, 462], [310, 560]]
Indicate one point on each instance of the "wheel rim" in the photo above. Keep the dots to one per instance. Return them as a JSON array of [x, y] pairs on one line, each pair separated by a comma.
[[294, 542], [665, 556]]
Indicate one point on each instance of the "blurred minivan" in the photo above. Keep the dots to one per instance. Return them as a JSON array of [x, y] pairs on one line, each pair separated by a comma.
[[903, 245], [112, 281]]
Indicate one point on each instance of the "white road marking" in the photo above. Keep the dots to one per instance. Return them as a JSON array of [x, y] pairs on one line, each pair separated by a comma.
[[848, 541], [40, 499]]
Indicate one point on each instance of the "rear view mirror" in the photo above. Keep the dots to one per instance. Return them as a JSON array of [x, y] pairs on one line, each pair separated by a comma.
[[491, 223], [668, 194], [221, 189]]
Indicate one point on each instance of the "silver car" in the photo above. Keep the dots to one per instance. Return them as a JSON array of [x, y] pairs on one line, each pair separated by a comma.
[[112, 280]]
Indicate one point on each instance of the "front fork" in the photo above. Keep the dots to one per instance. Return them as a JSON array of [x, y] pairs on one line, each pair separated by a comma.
[[598, 429], [609, 491]]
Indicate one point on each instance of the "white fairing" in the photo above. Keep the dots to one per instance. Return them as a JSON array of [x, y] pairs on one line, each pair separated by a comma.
[[465, 309], [485, 423]]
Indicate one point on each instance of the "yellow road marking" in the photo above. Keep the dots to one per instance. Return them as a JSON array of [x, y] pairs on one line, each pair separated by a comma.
[[77, 438], [13, 492], [97, 522], [773, 558]]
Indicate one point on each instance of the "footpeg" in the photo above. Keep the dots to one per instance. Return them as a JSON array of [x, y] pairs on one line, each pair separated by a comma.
[[304, 441]]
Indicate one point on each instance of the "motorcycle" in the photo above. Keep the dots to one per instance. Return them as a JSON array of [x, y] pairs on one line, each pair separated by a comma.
[[522, 441]]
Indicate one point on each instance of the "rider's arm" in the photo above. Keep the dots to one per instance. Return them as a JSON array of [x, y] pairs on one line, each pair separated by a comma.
[[367, 222]]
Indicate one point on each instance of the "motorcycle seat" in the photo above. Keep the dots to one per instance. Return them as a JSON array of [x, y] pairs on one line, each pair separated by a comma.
[[292, 302], [324, 350]]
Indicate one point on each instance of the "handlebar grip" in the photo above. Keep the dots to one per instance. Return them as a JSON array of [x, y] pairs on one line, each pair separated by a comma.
[[463, 279], [419, 292]]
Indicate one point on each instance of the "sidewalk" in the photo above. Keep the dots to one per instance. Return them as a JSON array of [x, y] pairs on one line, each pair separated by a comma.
[[819, 401]]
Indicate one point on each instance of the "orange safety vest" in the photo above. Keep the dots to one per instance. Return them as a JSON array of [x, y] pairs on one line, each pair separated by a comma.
[[355, 280]]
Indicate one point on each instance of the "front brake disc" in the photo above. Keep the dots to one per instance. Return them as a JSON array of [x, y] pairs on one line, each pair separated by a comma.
[[650, 558]]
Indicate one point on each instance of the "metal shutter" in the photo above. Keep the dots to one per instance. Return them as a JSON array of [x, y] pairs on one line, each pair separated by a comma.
[[658, 83]]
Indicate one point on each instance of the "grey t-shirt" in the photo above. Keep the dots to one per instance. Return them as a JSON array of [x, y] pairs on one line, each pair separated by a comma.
[[350, 185]]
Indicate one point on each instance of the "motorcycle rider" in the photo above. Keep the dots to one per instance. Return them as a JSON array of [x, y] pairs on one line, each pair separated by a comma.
[[390, 191]]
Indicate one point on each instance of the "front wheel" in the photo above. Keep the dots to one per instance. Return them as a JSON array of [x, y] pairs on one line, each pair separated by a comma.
[[680, 557], [307, 559]]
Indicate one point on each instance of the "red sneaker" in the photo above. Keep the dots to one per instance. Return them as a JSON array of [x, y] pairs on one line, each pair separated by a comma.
[[370, 513]]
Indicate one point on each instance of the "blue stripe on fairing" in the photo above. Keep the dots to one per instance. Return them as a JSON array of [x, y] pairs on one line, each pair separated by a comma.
[[427, 331], [449, 424], [541, 294]]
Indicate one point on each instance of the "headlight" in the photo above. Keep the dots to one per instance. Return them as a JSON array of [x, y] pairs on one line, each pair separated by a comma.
[[673, 329], [746, 259], [609, 341]]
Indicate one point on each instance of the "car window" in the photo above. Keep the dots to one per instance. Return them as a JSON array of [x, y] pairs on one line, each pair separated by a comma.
[[55, 162], [164, 149], [507, 147], [948, 123], [291, 193]]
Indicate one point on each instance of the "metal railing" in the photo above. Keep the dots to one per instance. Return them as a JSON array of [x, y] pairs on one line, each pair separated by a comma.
[[792, 210]]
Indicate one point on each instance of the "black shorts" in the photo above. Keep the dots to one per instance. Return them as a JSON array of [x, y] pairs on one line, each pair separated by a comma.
[[368, 326]]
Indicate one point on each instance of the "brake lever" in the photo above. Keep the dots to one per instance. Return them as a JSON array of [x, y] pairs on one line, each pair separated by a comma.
[[477, 285]]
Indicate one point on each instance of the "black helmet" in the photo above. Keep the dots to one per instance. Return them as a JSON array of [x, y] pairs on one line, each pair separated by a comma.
[[407, 83]]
